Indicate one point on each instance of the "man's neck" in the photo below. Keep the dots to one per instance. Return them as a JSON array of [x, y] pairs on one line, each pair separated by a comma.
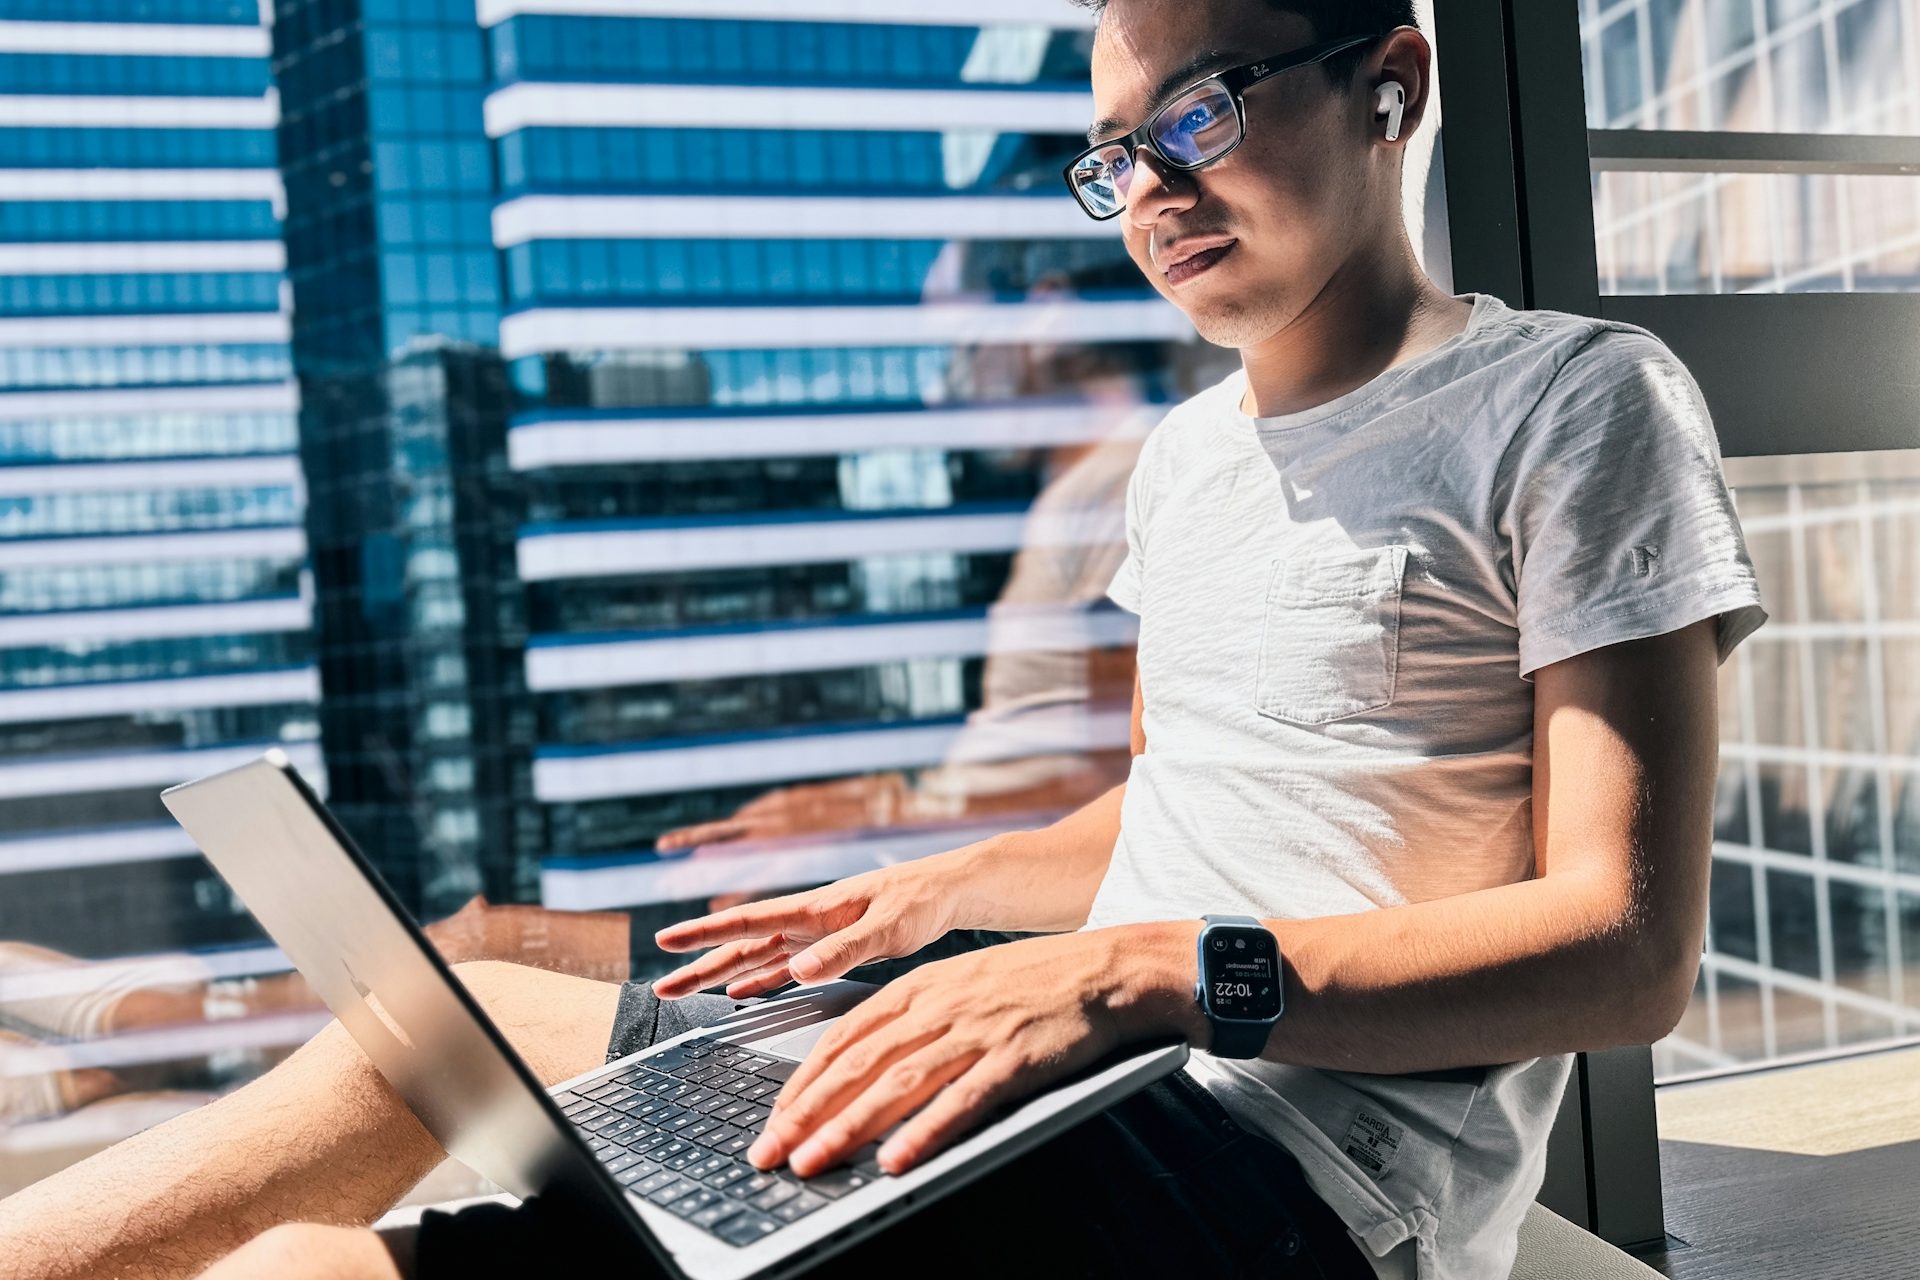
[[1371, 316]]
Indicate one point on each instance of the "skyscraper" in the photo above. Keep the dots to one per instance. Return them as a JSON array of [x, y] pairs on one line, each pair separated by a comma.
[[154, 621]]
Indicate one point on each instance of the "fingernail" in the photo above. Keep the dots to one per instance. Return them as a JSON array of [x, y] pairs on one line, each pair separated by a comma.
[[764, 1153], [890, 1158], [810, 1154], [806, 966]]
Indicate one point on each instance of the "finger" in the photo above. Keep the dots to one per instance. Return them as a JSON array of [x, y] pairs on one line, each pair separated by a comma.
[[722, 964], [959, 1107], [753, 920], [699, 833], [760, 981], [838, 952], [799, 1112], [900, 1090]]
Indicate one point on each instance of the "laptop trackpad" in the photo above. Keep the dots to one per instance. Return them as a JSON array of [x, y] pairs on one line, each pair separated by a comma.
[[796, 1044]]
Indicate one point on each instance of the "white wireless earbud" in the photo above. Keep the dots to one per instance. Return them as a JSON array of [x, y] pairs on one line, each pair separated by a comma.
[[1392, 103]]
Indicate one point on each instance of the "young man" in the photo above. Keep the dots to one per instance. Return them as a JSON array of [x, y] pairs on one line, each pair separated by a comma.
[[1432, 593]]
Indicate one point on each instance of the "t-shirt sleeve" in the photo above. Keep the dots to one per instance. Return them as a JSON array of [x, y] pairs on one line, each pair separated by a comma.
[[1129, 578], [1618, 524]]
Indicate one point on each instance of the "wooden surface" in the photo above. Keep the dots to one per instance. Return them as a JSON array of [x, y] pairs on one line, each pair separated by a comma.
[[1794, 1173]]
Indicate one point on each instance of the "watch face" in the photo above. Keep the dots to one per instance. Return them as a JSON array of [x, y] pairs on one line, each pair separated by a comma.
[[1242, 973]]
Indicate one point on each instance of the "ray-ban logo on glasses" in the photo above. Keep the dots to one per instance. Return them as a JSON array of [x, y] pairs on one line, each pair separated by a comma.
[[1257, 69]]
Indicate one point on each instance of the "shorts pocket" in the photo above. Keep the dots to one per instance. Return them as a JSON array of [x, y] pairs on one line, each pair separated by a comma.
[[1330, 646]]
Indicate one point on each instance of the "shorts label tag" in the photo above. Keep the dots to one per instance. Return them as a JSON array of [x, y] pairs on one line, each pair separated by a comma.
[[1372, 1142]]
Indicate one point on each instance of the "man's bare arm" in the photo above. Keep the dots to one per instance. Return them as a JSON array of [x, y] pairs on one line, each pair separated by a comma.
[[321, 1138], [1599, 950]]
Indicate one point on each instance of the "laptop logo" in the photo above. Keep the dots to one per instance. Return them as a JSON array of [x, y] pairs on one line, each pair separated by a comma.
[[372, 1001]]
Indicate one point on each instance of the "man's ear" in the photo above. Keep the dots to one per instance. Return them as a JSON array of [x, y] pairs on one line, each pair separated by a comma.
[[1404, 58]]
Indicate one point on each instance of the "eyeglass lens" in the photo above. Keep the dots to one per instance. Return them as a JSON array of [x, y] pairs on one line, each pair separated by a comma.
[[1196, 127]]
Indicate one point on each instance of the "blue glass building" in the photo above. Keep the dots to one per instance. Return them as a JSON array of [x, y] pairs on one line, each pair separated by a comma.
[[154, 612]]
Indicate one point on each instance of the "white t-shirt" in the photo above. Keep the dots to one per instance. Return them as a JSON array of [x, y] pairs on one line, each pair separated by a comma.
[[1340, 611]]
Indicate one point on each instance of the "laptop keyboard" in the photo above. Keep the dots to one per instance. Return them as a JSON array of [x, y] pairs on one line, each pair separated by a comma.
[[675, 1129]]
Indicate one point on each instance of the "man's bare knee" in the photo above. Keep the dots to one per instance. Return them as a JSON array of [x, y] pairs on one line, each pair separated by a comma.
[[559, 1023], [309, 1251]]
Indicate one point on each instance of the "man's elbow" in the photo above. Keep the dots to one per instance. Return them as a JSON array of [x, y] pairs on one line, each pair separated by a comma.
[[1657, 998]]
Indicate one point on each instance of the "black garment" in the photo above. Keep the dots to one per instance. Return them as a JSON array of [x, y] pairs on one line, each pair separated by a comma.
[[1163, 1184]]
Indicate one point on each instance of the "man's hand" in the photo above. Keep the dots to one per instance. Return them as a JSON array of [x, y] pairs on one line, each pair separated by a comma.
[[811, 936], [943, 1047], [847, 804]]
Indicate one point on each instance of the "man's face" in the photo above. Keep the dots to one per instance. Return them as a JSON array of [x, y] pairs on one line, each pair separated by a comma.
[[1290, 195]]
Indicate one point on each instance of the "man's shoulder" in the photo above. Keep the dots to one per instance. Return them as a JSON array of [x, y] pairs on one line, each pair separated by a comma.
[[1585, 343]]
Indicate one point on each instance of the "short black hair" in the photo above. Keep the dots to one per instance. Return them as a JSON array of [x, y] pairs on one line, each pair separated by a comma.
[[1332, 20]]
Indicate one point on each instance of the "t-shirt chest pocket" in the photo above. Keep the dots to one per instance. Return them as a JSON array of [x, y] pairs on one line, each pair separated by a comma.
[[1330, 644]]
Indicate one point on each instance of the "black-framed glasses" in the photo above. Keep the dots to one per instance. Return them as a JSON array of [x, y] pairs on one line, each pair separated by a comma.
[[1200, 124]]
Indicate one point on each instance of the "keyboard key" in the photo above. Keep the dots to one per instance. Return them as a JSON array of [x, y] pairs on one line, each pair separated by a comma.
[[747, 1228], [644, 1142], [678, 1189], [716, 1213], [637, 1077], [800, 1206], [752, 1118], [778, 1193], [778, 1072], [712, 1106], [700, 1126], [639, 1173], [736, 1145], [709, 1166], [757, 1090], [653, 1182], [835, 1183], [753, 1063], [669, 1149], [565, 1100], [605, 1089], [705, 1072], [730, 1174], [621, 1160], [689, 1205], [732, 1108]]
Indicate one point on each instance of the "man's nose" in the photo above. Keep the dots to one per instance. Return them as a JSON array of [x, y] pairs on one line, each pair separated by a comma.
[[1157, 187]]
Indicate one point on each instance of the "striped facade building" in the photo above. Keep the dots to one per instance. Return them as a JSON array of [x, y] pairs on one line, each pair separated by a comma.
[[154, 612]]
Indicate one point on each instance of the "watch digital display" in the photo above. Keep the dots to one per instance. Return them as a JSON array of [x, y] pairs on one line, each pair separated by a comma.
[[1242, 973]]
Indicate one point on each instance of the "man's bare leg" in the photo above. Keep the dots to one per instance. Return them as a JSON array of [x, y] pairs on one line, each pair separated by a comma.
[[322, 1138]]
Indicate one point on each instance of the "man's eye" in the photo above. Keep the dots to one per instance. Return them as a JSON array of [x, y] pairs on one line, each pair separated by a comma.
[[1198, 118]]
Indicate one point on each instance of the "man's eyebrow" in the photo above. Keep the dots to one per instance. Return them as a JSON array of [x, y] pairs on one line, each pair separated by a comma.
[[1192, 69]]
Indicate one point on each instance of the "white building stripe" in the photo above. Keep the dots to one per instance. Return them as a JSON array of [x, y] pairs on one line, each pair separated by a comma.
[[1006, 629], [93, 849], [165, 255], [241, 617], [259, 397], [136, 331], [107, 477], [71, 775], [760, 866], [167, 1044], [535, 446], [996, 110], [1019, 12], [289, 542], [186, 39], [936, 324], [572, 779], [80, 701], [1049, 215], [143, 184], [107, 111], [602, 552]]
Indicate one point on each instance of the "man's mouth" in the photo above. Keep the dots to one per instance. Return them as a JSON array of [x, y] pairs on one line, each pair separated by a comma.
[[1186, 268]]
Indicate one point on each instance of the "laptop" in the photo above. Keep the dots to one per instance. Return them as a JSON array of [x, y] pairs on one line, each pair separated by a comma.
[[654, 1143]]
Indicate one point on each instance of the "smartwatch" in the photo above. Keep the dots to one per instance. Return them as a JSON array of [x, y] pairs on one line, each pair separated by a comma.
[[1239, 984]]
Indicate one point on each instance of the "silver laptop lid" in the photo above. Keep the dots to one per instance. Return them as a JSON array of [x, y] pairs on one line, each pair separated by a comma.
[[327, 908]]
